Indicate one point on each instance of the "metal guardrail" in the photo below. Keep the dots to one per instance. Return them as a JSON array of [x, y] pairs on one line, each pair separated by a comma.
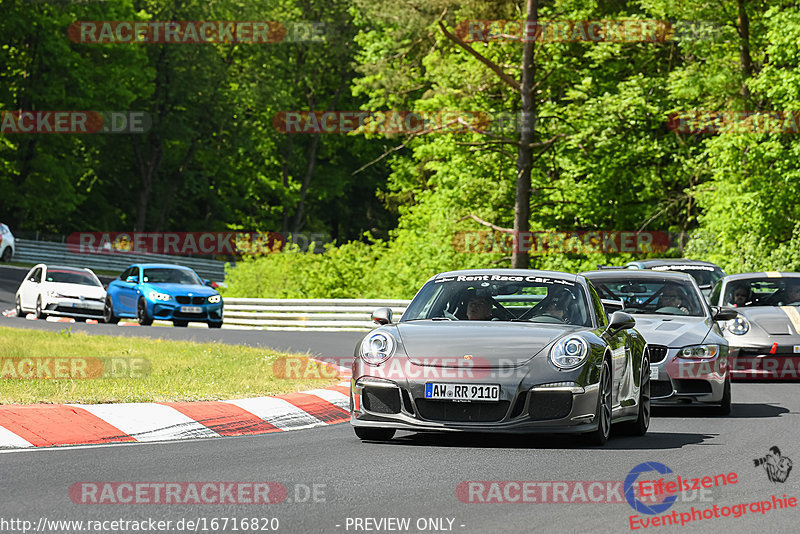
[[307, 314], [27, 250]]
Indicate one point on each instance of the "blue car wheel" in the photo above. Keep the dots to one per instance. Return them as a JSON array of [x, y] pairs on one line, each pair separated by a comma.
[[141, 313]]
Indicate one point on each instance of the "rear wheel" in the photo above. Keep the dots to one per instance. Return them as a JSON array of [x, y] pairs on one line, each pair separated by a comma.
[[108, 312], [374, 434], [642, 423], [39, 313], [603, 417], [141, 313], [724, 407], [176, 322]]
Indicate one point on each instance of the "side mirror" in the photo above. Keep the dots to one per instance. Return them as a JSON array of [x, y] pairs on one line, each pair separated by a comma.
[[620, 321], [382, 316], [132, 279], [722, 313]]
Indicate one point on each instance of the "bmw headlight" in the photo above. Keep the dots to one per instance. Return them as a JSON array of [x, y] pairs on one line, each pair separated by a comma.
[[738, 326], [155, 295], [569, 353], [213, 299], [699, 352], [377, 348]]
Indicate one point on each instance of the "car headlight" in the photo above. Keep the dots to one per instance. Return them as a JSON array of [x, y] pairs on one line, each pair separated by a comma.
[[155, 295], [738, 326], [699, 352], [377, 348], [213, 299], [569, 352]]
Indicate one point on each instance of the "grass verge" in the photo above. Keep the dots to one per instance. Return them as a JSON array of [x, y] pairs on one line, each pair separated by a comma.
[[145, 370]]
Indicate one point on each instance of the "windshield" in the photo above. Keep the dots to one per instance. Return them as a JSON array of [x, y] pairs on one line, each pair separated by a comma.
[[165, 275], [652, 295], [763, 291], [495, 297], [65, 276], [705, 275]]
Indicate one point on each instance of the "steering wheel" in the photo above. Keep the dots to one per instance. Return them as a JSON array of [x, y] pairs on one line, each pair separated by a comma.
[[557, 319]]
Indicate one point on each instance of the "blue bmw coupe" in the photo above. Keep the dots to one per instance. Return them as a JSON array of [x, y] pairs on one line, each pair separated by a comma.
[[150, 291]]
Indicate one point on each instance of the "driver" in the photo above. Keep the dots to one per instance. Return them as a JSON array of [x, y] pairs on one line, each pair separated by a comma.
[[672, 297], [741, 295], [479, 309], [556, 303]]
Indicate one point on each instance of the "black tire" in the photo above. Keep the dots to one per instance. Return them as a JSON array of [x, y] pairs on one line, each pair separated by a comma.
[[642, 423], [108, 312], [18, 306], [603, 431], [39, 313], [141, 313], [7, 255], [215, 325], [374, 434], [178, 322], [724, 407]]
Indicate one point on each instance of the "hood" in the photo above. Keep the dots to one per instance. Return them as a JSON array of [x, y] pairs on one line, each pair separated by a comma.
[[672, 331], [75, 290], [774, 320], [491, 344], [183, 289]]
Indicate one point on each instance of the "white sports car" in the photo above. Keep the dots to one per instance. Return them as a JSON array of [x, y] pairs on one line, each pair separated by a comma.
[[54, 290]]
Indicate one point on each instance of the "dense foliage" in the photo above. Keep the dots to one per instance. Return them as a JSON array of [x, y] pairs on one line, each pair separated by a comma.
[[604, 157]]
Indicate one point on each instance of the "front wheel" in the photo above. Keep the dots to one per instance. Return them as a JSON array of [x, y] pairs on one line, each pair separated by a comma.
[[642, 423], [7, 254], [39, 313], [724, 407], [603, 417], [182, 324], [141, 313], [374, 434], [108, 312], [19, 308], [215, 325]]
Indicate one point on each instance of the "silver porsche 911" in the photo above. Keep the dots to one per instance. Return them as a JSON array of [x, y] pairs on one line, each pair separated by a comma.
[[688, 354], [502, 350], [765, 338]]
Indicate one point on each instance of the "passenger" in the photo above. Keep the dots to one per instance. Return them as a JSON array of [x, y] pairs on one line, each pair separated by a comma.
[[479, 309], [792, 293], [741, 295]]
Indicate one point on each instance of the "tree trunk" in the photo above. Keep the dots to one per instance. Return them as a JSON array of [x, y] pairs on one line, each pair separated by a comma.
[[522, 204], [745, 61]]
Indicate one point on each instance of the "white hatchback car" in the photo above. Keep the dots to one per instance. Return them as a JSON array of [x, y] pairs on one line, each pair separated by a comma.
[[54, 290], [6, 243]]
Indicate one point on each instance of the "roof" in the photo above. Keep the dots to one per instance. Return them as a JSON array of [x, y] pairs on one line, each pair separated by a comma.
[[763, 274], [630, 274], [160, 266], [657, 262]]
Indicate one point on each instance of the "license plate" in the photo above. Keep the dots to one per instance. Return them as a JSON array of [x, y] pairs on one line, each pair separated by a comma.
[[654, 373], [796, 349], [464, 392], [191, 309]]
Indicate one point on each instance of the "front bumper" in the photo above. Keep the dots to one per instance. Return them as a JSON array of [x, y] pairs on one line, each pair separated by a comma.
[[522, 407], [170, 310], [766, 362], [74, 307], [685, 381]]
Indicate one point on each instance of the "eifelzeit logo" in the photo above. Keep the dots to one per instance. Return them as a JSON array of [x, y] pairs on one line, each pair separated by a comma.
[[777, 467]]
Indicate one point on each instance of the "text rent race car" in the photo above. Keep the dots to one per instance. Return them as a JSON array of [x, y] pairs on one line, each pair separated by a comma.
[[162, 291], [688, 353], [765, 338], [502, 350]]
